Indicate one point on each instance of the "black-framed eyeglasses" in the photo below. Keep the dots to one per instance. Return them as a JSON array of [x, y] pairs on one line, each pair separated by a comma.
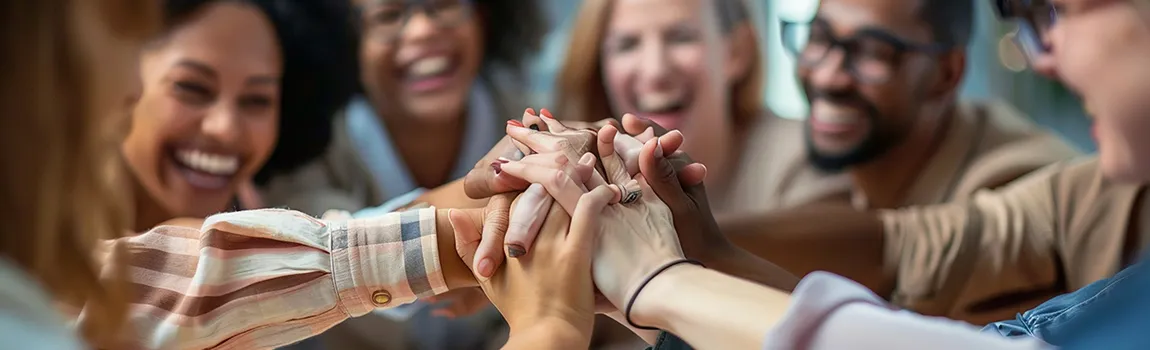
[[384, 20], [1034, 19], [870, 55]]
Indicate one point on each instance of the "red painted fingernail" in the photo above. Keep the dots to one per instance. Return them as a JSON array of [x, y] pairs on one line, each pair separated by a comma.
[[515, 123], [498, 166], [531, 111], [546, 114]]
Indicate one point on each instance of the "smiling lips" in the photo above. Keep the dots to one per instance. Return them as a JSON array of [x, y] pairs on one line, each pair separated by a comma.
[[429, 73], [205, 170], [662, 108]]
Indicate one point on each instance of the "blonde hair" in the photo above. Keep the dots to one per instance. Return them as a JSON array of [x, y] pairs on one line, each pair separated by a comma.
[[58, 189], [582, 94]]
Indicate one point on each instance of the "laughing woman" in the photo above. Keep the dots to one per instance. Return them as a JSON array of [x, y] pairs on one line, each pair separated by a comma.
[[231, 95]]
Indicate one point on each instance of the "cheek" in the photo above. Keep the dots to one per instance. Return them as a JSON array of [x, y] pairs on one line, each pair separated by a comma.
[[377, 64], [616, 74]]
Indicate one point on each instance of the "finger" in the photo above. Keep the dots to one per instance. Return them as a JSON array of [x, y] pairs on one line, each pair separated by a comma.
[[672, 141], [559, 161], [489, 254], [534, 140], [559, 183], [526, 218], [635, 125], [467, 236], [532, 121], [693, 174], [488, 180], [613, 166], [663, 179], [608, 121], [553, 125], [584, 228], [588, 172], [628, 148]]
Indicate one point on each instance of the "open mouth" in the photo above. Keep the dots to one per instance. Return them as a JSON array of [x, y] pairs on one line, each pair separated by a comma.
[[666, 109], [206, 170], [430, 73]]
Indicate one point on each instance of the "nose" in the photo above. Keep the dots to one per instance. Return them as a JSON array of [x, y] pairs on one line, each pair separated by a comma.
[[831, 72], [222, 125], [654, 64], [419, 26]]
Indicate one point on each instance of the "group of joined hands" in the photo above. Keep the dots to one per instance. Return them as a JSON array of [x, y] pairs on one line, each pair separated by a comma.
[[577, 219]]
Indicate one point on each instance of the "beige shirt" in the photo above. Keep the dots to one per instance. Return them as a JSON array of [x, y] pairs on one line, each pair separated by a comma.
[[1006, 251], [773, 172], [987, 145]]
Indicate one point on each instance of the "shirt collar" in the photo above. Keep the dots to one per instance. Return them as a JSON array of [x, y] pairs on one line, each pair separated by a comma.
[[370, 138]]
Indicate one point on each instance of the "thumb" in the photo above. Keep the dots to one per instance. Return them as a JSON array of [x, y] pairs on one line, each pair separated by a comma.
[[489, 254], [466, 236]]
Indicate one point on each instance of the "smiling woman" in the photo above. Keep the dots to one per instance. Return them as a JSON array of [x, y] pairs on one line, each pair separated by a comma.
[[215, 85]]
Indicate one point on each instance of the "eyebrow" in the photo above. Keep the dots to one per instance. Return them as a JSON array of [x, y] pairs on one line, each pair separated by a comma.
[[197, 66], [262, 80]]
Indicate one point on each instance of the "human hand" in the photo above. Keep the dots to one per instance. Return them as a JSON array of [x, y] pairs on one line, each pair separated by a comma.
[[553, 283]]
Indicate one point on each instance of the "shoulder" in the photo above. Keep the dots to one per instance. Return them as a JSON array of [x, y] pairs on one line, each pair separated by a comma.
[[27, 318], [1009, 147]]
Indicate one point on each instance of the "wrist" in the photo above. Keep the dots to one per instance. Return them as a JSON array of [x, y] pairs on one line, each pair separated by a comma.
[[455, 272], [650, 307], [561, 332]]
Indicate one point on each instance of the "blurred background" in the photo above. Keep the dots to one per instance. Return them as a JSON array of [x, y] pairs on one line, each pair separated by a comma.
[[995, 71]]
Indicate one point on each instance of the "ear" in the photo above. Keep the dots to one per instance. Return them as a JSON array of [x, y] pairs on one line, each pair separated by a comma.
[[951, 69], [741, 48]]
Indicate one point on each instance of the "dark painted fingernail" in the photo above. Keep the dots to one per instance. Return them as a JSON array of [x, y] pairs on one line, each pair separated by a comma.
[[515, 250], [498, 166], [534, 127]]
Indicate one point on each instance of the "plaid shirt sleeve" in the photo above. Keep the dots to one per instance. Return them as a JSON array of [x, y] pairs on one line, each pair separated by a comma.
[[267, 278]]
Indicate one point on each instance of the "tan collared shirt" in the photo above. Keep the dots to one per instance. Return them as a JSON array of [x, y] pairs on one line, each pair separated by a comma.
[[987, 145], [773, 172], [1006, 251]]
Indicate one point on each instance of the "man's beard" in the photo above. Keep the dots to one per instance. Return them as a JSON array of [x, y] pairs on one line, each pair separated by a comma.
[[878, 140]]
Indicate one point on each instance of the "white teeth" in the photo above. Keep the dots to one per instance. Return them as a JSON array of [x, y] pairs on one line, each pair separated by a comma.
[[658, 101], [215, 164], [429, 66]]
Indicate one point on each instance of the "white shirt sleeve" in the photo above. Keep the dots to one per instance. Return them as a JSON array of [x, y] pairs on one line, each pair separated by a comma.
[[831, 312]]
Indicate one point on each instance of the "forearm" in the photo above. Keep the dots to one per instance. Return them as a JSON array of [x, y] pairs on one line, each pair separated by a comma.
[[708, 309], [549, 334], [835, 238], [738, 262]]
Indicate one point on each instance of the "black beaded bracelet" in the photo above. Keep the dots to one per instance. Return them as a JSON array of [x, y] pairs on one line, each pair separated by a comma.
[[635, 295]]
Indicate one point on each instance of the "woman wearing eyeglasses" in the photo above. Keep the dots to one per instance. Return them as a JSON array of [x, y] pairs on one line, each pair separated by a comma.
[[439, 78]]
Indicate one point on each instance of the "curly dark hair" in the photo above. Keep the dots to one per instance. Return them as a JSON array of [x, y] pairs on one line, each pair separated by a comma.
[[320, 72], [514, 31]]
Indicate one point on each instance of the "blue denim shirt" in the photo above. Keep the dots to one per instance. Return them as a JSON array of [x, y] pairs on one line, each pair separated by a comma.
[[1113, 313]]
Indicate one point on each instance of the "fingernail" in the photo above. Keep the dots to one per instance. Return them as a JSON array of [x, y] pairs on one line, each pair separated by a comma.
[[530, 111], [546, 113], [534, 127], [658, 148], [498, 166], [485, 268], [515, 123], [587, 159], [515, 250], [502, 160]]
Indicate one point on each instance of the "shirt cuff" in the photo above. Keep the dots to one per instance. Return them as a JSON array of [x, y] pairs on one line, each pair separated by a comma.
[[814, 299], [386, 261]]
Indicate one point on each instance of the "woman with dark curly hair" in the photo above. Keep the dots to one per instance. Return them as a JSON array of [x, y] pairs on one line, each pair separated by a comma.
[[231, 94]]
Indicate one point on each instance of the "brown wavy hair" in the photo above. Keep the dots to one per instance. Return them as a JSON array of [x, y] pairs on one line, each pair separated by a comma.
[[581, 93], [59, 185]]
